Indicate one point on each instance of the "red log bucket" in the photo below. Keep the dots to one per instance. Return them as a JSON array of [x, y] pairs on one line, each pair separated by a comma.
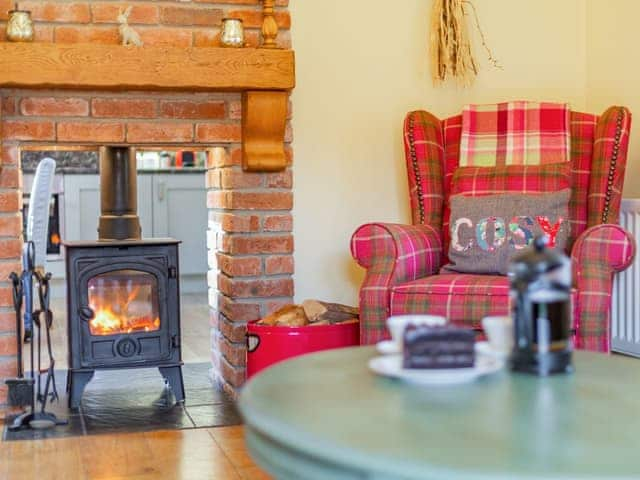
[[267, 345]]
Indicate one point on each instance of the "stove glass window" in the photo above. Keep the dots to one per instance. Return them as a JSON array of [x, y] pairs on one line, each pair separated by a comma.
[[123, 301]]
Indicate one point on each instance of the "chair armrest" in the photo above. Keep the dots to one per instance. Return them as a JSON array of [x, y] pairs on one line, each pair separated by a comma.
[[407, 252], [598, 253], [392, 254], [604, 246]]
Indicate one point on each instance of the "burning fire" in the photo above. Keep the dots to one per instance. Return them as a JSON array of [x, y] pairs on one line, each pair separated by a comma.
[[112, 316], [107, 322]]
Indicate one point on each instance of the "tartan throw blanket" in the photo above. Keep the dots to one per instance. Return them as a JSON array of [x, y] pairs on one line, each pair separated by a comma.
[[515, 133]]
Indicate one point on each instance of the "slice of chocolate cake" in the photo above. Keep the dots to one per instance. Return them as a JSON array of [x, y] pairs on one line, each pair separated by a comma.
[[438, 347]]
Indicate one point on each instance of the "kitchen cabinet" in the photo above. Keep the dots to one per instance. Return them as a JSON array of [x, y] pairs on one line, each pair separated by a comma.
[[169, 205], [180, 211]]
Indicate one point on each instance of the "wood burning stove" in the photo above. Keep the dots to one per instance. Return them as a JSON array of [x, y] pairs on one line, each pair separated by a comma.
[[123, 296]]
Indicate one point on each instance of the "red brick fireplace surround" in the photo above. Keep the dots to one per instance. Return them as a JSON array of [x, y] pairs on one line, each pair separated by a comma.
[[249, 231]]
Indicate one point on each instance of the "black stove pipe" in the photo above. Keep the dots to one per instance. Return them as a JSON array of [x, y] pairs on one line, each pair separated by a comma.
[[118, 194]]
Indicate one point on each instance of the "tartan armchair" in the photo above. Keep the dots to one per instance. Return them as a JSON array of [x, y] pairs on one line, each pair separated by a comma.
[[402, 262]]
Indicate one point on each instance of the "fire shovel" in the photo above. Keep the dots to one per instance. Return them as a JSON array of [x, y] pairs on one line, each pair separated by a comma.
[[20, 388]]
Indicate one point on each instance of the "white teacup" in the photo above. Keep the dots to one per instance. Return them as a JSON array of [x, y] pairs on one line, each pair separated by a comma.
[[499, 331], [397, 324]]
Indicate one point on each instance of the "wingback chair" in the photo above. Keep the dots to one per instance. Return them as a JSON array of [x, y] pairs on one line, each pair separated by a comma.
[[402, 262]]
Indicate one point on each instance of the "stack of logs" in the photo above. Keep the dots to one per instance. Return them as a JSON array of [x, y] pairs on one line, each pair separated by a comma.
[[311, 313]]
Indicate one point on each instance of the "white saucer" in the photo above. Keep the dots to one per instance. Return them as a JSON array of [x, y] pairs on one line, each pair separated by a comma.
[[391, 366], [388, 347], [484, 348]]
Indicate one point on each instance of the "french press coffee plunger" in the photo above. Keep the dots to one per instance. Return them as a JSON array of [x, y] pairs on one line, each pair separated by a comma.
[[540, 281]]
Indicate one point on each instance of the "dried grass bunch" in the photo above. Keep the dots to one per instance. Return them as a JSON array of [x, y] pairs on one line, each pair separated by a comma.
[[451, 53]]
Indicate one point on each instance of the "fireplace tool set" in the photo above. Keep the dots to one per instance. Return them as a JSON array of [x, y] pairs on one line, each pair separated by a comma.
[[39, 387]]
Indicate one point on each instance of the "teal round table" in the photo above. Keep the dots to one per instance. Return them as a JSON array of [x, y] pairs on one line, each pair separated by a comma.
[[326, 416]]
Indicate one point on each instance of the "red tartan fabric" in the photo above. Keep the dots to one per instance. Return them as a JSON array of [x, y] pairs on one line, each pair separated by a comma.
[[463, 299], [514, 133], [452, 133], [425, 154], [598, 253], [609, 161], [598, 157], [477, 181], [583, 127], [392, 254]]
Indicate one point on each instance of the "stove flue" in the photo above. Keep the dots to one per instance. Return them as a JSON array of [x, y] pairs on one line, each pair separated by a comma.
[[118, 194]]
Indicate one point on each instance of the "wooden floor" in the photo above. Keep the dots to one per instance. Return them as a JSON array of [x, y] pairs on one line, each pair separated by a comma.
[[214, 453]]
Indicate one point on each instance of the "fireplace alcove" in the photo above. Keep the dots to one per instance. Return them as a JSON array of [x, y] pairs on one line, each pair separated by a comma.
[[263, 77]]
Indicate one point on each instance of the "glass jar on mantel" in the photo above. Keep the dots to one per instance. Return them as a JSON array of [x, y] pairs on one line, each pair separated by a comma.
[[232, 34], [20, 26]]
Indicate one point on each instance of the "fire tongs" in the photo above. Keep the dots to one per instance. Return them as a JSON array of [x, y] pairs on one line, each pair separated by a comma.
[[50, 383]]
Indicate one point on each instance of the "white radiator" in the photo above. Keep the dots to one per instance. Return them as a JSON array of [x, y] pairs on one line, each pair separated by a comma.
[[625, 304]]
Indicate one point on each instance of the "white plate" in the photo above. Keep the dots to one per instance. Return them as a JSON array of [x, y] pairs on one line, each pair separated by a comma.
[[388, 347], [484, 348], [391, 366]]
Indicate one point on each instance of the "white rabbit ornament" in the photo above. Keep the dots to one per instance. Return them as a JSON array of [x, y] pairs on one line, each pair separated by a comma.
[[127, 34]]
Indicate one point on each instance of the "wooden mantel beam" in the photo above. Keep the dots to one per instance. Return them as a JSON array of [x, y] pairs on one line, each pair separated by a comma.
[[115, 67], [264, 76]]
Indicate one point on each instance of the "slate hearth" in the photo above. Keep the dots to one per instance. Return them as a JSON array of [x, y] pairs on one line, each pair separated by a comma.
[[110, 405]]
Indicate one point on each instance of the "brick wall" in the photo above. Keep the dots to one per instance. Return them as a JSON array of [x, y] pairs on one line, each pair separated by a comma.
[[249, 230], [250, 255], [179, 23]]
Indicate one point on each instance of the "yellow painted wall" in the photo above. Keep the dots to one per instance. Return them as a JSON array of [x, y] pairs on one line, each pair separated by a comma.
[[361, 65], [613, 75]]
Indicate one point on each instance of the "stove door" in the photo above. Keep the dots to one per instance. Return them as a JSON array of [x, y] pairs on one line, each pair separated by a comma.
[[123, 316]]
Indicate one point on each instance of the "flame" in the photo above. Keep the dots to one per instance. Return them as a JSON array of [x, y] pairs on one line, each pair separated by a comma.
[[114, 315], [107, 322]]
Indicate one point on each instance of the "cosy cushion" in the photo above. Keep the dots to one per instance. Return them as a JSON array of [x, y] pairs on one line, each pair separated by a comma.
[[486, 231], [515, 133], [507, 179]]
